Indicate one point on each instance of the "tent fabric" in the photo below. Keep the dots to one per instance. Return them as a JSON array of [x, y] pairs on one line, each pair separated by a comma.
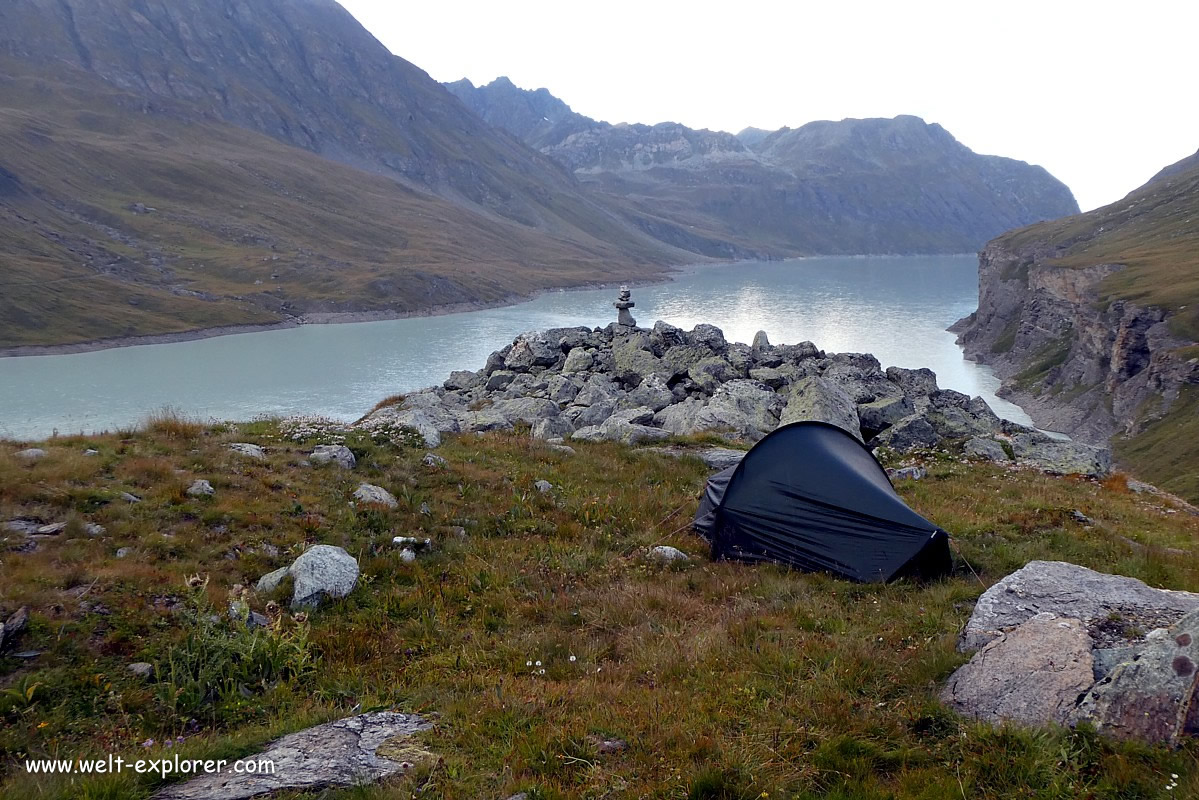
[[812, 496]]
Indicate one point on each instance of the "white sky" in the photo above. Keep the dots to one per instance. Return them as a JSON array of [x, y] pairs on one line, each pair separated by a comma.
[[1102, 94]]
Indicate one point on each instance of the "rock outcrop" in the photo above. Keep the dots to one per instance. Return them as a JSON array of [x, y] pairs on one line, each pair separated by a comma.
[[349, 752], [1059, 643], [637, 385]]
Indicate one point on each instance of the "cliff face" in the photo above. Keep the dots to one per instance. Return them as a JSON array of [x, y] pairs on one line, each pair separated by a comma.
[[1089, 321], [855, 186]]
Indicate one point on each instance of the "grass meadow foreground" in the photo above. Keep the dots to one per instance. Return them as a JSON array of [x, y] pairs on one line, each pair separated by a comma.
[[533, 627]]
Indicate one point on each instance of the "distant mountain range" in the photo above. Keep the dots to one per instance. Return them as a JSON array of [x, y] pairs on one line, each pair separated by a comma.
[[856, 186], [166, 167]]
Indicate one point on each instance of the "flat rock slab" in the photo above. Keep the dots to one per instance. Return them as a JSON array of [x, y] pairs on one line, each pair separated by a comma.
[[1031, 675], [1068, 590], [717, 458], [1151, 695], [353, 751]]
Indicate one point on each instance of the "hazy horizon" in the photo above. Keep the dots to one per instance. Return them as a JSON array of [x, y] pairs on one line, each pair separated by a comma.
[[1086, 92]]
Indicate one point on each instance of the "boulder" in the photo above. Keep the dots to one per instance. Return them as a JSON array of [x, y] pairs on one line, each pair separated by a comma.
[[543, 486], [761, 341], [531, 350], [562, 389], [529, 410], [954, 415], [772, 377], [1068, 590], [499, 380], [577, 360], [141, 669], [371, 495], [913, 382], [31, 454], [1151, 694], [462, 379], [666, 554], [815, 398], [652, 392], [553, 428], [985, 449], [248, 450], [680, 418], [322, 571], [679, 360], [597, 388], [594, 414], [708, 336], [748, 408], [1031, 675], [708, 373], [200, 488], [907, 434], [349, 752], [337, 454], [633, 360], [879, 415], [665, 336], [419, 420], [1065, 458]]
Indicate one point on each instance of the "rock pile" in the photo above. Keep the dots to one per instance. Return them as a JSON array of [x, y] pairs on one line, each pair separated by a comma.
[[1059, 643], [632, 385]]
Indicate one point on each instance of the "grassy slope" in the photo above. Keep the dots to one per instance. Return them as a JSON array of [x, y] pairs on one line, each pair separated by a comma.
[[1154, 231], [727, 680], [234, 208]]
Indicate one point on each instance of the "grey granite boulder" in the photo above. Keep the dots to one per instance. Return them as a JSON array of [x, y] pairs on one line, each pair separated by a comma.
[[349, 752], [558, 427], [577, 360], [1065, 458], [709, 336], [881, 414], [596, 389], [322, 571], [680, 418], [652, 392], [529, 410], [985, 449], [1032, 675], [814, 398], [709, 373], [371, 495], [909, 433], [748, 408], [666, 554], [634, 361], [337, 454], [531, 350], [913, 382], [248, 450], [595, 413], [1068, 590], [200, 488], [463, 379], [499, 380], [419, 420], [562, 389]]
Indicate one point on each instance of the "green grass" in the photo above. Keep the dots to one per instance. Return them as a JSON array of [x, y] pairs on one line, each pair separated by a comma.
[[1164, 452], [726, 680]]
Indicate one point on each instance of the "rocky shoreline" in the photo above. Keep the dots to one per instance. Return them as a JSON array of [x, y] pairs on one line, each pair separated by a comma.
[[637, 385]]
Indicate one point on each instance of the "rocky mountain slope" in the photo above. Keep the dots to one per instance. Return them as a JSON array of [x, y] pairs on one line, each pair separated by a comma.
[[292, 165], [1093, 321], [856, 186]]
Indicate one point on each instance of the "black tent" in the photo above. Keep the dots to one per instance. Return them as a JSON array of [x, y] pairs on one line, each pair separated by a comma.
[[812, 496]]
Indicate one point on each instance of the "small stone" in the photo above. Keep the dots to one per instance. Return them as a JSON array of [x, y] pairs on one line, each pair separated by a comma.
[[435, 461], [337, 454], [201, 488], [369, 494], [605, 746], [913, 473], [543, 486], [32, 454], [425, 510], [1081, 518], [91, 452], [407, 556], [667, 554], [124, 552], [565, 449], [93, 529], [141, 669], [130, 498], [248, 450], [52, 530], [256, 620], [412, 543]]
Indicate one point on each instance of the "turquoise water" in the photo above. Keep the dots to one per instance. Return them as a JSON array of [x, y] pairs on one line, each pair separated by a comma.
[[895, 307]]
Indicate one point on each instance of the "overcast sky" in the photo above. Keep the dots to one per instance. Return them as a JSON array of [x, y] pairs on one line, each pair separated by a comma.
[[1102, 94]]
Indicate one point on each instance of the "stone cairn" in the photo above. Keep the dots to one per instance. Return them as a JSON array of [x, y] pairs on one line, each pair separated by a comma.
[[623, 304]]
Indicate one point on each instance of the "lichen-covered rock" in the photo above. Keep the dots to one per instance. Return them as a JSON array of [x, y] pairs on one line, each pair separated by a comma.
[[1151, 694], [1032, 675], [907, 434], [708, 336], [322, 571], [337, 454], [666, 554], [577, 360], [1068, 590], [815, 398], [986, 449], [558, 427], [881, 414], [200, 488], [914, 382], [652, 392], [371, 495], [349, 752], [680, 418], [1065, 458], [582, 416], [531, 350], [747, 408]]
